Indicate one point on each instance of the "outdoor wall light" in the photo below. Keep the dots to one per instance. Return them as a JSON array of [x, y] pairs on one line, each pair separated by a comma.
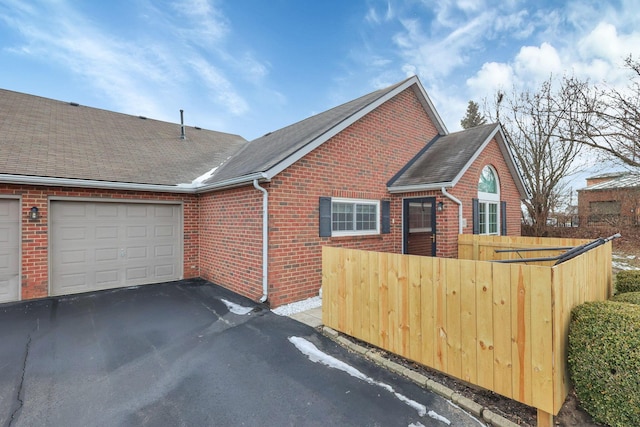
[[440, 206], [33, 213]]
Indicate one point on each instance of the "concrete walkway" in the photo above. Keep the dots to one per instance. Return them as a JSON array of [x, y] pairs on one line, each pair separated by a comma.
[[312, 317]]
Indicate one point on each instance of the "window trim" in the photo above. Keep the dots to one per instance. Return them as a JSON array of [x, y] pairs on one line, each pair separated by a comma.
[[355, 202]]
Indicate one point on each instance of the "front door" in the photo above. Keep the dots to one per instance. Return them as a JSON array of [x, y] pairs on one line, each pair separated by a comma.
[[419, 226]]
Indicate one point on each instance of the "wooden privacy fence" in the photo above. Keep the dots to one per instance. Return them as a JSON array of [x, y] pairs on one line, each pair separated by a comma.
[[502, 327]]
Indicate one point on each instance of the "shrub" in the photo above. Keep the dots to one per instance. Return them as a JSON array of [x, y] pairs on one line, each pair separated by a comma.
[[628, 281], [604, 361], [630, 297]]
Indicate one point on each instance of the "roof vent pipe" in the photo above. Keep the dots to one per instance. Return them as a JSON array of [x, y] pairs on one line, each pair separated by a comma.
[[182, 134]]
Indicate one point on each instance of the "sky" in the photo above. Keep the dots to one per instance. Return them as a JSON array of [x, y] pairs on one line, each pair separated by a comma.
[[250, 67]]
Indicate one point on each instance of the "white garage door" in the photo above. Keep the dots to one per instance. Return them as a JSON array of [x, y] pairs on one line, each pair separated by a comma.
[[103, 245], [9, 250]]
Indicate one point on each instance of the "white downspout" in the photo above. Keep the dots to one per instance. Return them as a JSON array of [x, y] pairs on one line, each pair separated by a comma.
[[449, 196], [265, 240]]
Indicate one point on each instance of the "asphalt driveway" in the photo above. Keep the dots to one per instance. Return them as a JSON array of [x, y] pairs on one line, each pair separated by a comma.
[[191, 353]]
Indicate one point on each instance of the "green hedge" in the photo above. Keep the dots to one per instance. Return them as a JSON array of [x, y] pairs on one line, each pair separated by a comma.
[[630, 297], [604, 361], [627, 281]]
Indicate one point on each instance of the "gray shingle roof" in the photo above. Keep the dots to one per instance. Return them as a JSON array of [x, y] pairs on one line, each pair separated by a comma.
[[444, 158], [619, 180], [265, 152], [47, 138]]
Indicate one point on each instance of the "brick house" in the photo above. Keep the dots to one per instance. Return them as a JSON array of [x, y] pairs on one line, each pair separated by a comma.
[[91, 199], [610, 199]]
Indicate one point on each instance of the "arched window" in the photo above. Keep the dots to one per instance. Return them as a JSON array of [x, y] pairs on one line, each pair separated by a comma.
[[488, 215]]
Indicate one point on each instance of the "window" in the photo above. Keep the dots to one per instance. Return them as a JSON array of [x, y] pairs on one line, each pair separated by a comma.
[[354, 217], [488, 214]]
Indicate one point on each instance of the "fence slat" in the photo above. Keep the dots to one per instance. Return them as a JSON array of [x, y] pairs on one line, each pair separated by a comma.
[[541, 339], [427, 320], [439, 308], [502, 329], [414, 321], [468, 321], [484, 292], [452, 318], [520, 329]]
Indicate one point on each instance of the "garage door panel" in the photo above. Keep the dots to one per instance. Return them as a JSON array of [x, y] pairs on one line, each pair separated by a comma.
[[164, 231], [9, 250], [73, 233], [74, 280], [167, 270], [140, 252], [106, 279], [106, 255], [137, 211], [104, 232], [164, 251], [73, 257], [105, 210]]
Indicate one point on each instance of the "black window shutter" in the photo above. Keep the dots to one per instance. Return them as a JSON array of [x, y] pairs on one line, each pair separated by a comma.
[[325, 216], [386, 217], [503, 218], [476, 216]]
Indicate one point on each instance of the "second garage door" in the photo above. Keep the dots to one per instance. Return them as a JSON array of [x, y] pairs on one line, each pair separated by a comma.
[[9, 250], [104, 245]]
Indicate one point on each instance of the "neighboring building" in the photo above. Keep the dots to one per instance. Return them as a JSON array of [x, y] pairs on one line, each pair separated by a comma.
[[610, 199], [123, 200]]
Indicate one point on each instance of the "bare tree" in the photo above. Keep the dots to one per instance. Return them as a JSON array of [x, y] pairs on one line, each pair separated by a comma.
[[541, 127], [614, 128], [472, 117]]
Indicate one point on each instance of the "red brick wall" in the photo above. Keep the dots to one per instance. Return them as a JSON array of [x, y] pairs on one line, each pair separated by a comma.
[[231, 239], [629, 199], [35, 245]]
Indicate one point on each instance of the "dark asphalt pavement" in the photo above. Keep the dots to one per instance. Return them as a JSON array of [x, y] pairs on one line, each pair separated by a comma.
[[174, 355]]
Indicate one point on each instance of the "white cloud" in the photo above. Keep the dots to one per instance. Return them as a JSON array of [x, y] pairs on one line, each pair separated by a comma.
[[205, 24], [222, 90], [535, 64], [438, 56], [490, 78]]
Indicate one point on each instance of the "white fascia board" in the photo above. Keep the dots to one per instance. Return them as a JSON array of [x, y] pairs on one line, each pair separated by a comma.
[[432, 112], [87, 183], [513, 166], [234, 182], [348, 122], [420, 187]]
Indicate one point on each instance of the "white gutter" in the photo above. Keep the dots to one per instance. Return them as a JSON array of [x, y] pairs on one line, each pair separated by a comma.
[[233, 182], [420, 187], [449, 196], [191, 188], [89, 183], [265, 240]]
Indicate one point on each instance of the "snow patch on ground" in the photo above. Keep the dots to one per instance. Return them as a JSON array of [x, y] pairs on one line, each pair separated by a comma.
[[621, 262], [237, 308], [438, 417], [315, 355], [297, 307], [622, 265]]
